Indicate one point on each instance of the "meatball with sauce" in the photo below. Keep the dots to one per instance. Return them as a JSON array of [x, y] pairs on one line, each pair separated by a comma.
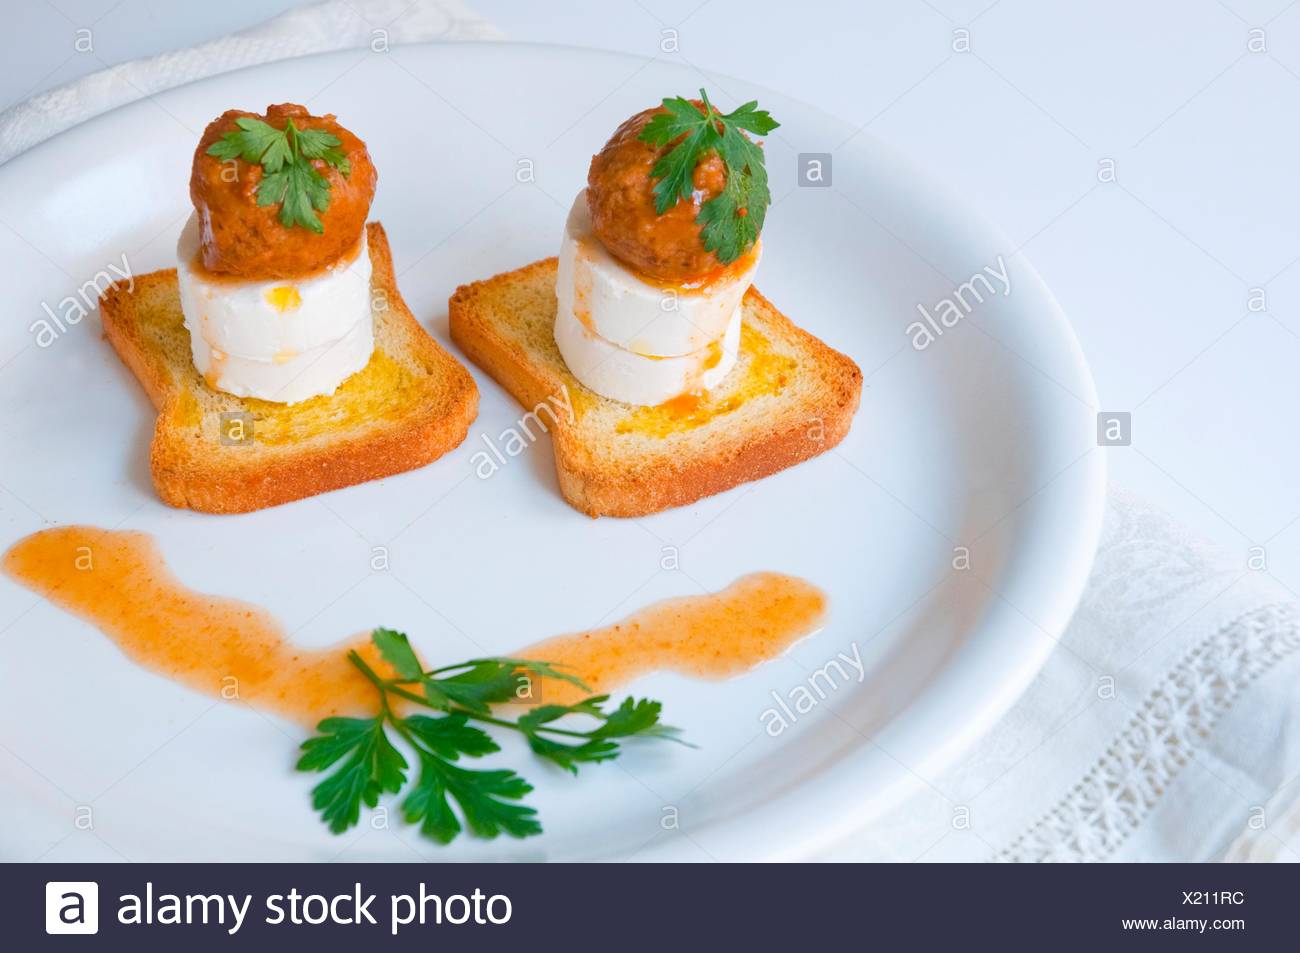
[[241, 239], [620, 197]]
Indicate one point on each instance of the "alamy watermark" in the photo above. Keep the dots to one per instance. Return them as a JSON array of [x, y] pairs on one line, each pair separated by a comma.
[[947, 312], [515, 440], [812, 691], [76, 306]]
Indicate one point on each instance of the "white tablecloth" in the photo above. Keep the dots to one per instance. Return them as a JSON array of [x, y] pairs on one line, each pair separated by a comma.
[[1182, 744]]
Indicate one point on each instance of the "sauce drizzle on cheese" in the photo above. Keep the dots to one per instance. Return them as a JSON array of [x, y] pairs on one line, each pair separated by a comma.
[[232, 650]]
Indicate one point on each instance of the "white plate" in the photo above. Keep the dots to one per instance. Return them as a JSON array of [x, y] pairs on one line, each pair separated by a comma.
[[981, 440]]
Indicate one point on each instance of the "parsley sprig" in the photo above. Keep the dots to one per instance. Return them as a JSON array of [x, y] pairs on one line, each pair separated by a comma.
[[366, 764], [733, 219], [288, 177]]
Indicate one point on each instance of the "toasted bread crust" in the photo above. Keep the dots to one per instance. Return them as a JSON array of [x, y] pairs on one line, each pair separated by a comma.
[[188, 471], [124, 334], [641, 487]]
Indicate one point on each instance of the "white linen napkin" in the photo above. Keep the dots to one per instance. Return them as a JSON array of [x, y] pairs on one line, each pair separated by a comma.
[[318, 28], [1163, 728]]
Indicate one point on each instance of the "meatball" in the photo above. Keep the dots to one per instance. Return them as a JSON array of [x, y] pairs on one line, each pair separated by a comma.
[[244, 240], [620, 196]]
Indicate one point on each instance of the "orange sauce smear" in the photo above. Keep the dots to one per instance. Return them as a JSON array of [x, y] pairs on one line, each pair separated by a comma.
[[714, 636], [705, 283], [582, 286], [118, 581], [324, 268], [761, 369]]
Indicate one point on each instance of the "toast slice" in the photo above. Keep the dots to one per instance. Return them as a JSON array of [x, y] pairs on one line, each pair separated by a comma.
[[790, 397], [223, 454]]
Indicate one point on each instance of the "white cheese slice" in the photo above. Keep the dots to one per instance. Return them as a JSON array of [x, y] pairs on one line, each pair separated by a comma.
[[292, 376], [620, 374], [260, 319], [283, 340], [631, 312]]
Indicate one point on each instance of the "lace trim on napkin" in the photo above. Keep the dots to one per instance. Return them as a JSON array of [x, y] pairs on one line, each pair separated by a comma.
[[1102, 810]]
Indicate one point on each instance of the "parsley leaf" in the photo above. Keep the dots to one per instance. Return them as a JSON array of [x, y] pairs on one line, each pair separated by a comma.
[[319, 144], [483, 797], [482, 683], [632, 718], [487, 681], [732, 220], [565, 755], [450, 736], [446, 798], [373, 767], [751, 118], [288, 177], [639, 717], [395, 649], [675, 169], [252, 142]]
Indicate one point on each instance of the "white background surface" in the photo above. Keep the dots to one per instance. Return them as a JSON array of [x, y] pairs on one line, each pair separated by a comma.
[[1154, 270]]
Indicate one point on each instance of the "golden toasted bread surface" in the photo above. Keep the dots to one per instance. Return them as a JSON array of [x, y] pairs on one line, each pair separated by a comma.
[[790, 397], [218, 453]]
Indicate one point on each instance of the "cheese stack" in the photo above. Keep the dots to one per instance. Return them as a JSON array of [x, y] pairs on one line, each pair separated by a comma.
[[632, 339], [278, 340]]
